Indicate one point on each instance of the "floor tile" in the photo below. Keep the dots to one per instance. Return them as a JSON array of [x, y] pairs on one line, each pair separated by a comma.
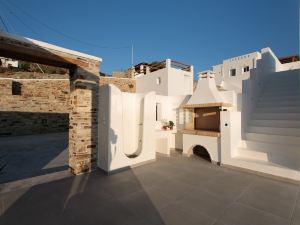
[[238, 214], [271, 196]]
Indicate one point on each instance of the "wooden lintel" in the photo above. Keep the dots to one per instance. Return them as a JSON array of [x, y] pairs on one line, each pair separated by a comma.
[[202, 133], [206, 105]]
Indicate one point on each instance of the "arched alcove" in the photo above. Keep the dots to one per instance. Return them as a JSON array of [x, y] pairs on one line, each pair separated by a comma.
[[201, 151]]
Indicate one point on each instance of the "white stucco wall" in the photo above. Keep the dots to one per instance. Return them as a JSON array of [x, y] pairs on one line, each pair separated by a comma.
[[180, 82], [222, 71], [207, 92], [231, 135], [211, 144], [170, 111], [173, 82], [148, 82], [126, 127]]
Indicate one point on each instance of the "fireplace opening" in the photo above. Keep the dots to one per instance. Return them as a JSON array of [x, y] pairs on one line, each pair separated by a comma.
[[201, 152]]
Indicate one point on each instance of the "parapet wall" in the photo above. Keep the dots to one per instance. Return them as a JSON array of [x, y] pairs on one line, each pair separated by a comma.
[[44, 103], [42, 106], [124, 84]]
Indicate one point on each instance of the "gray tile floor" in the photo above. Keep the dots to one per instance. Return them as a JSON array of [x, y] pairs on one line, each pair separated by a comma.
[[175, 190], [32, 155]]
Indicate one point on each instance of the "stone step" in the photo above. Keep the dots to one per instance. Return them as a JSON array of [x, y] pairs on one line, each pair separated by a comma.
[[276, 116], [271, 138], [290, 150], [280, 157], [274, 130], [281, 103], [276, 123], [279, 98], [274, 93], [286, 109], [275, 88], [251, 154], [266, 168]]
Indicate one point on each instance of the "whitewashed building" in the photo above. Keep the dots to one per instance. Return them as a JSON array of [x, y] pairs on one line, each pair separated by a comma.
[[244, 113], [5, 62], [231, 72]]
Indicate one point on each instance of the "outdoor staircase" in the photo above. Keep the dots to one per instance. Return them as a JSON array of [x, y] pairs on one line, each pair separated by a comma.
[[271, 143]]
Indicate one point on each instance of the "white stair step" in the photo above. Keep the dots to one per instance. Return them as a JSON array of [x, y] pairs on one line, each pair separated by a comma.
[[269, 138], [286, 109], [278, 157], [275, 130], [276, 123], [281, 103], [279, 98], [276, 116], [288, 88], [292, 150], [281, 93], [266, 168], [252, 154]]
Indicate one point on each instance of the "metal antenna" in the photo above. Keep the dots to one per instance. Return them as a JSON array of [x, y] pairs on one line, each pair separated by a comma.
[[132, 56]]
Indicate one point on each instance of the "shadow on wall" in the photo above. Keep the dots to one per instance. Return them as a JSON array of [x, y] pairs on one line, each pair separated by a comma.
[[113, 138]]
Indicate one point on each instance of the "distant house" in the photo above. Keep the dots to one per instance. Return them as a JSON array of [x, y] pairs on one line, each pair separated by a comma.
[[6, 62]]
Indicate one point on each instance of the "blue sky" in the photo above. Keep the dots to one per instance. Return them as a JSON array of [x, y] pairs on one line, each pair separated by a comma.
[[198, 32]]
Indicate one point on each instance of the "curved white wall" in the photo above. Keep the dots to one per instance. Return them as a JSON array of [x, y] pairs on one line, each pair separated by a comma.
[[126, 127]]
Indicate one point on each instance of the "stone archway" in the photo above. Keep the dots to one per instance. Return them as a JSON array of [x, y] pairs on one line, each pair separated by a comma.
[[84, 82]]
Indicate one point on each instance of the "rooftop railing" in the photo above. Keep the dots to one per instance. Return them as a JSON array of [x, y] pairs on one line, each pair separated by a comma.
[[180, 66], [144, 68]]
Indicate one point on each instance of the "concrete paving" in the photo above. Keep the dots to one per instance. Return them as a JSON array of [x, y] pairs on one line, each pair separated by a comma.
[[23, 157], [175, 190]]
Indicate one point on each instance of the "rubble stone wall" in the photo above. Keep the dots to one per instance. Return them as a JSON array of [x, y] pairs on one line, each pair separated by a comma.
[[124, 84], [42, 106]]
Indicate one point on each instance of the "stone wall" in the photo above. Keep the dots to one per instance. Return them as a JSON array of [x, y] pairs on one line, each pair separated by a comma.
[[123, 74], [42, 106], [32, 75], [124, 84], [44, 103]]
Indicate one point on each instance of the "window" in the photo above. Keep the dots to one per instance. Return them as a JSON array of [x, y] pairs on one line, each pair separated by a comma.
[[232, 72], [16, 88], [158, 112], [246, 69], [158, 81]]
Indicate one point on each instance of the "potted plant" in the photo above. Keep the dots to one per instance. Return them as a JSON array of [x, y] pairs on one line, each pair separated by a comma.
[[164, 125], [171, 125]]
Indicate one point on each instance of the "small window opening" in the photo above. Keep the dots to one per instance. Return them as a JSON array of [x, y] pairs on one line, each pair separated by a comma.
[[233, 72], [16, 88], [158, 81], [158, 112], [246, 69]]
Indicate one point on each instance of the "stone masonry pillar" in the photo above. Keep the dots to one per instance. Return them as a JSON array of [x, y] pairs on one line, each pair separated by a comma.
[[83, 130]]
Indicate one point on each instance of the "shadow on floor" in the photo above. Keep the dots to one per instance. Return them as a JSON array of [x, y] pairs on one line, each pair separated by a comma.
[[32, 155], [85, 199], [173, 190]]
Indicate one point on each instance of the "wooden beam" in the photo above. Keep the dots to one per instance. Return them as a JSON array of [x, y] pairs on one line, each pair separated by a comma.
[[206, 105]]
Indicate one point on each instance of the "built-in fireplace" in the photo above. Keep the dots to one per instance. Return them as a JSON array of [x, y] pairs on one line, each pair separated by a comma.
[[207, 119], [202, 116], [204, 108]]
